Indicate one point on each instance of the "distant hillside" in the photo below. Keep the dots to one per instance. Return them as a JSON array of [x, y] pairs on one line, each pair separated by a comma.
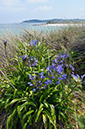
[[53, 20]]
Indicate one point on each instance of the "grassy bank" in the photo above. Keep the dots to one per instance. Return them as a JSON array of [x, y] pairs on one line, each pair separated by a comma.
[[31, 89]]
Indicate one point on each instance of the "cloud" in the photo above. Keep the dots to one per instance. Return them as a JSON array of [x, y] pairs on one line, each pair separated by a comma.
[[11, 5], [36, 1], [43, 8]]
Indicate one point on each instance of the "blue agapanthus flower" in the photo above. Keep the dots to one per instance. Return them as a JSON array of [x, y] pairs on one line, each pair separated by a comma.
[[30, 84], [23, 58], [60, 68], [5, 42], [48, 82], [58, 82], [34, 90], [33, 43]]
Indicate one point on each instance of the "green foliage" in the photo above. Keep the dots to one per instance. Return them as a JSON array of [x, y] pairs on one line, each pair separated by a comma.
[[36, 88]]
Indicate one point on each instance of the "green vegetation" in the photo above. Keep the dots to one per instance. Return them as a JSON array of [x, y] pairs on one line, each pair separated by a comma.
[[54, 21], [39, 87]]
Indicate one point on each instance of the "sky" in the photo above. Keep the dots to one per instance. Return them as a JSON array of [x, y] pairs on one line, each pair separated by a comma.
[[16, 11]]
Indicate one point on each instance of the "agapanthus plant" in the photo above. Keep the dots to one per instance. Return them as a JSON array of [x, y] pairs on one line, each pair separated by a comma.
[[41, 94]]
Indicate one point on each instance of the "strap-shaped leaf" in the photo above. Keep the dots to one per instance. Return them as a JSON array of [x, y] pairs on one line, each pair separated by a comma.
[[50, 118], [13, 101], [27, 114], [39, 112]]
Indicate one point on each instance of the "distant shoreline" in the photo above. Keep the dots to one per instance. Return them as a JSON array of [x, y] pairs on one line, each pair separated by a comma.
[[60, 24]]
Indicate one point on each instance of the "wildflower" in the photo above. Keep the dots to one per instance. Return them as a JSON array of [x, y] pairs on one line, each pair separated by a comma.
[[49, 69], [31, 58], [41, 75], [30, 76], [56, 60], [30, 84], [66, 56], [64, 76], [61, 62], [71, 67], [5, 42], [83, 76], [60, 68], [62, 55], [48, 82], [43, 87], [52, 66], [76, 78], [58, 82], [23, 58], [53, 77], [34, 90], [33, 43]]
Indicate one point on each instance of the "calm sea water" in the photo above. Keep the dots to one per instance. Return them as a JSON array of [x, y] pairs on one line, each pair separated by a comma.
[[18, 28]]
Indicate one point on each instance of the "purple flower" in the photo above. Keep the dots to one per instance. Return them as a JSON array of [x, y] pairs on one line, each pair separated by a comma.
[[56, 60], [62, 55], [33, 43], [58, 82], [61, 62], [48, 82], [52, 66], [43, 87], [71, 67], [5, 42], [66, 56], [60, 68], [82, 76], [49, 69], [29, 65], [41, 75], [30, 76], [24, 57], [31, 58], [34, 90], [53, 77], [30, 84], [64, 76]]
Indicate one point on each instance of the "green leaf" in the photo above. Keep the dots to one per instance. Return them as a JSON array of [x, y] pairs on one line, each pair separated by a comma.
[[12, 102], [27, 114], [39, 111]]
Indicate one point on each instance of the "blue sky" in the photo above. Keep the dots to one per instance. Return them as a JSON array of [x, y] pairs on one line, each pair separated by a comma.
[[15, 11]]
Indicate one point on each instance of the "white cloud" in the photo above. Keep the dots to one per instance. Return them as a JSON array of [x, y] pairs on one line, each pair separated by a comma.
[[43, 8], [36, 1], [11, 5]]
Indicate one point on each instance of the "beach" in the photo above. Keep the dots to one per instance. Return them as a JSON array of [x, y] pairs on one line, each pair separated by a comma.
[[65, 24]]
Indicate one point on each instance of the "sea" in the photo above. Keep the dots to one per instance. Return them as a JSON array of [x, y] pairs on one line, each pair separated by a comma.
[[19, 28]]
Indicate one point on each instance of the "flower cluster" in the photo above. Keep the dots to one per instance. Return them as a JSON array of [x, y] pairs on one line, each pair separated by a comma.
[[54, 75], [33, 43], [32, 62]]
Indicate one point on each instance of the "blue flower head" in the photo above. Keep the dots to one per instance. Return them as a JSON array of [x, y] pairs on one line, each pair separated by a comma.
[[30, 84], [60, 68], [62, 55], [48, 82], [24, 57], [34, 90], [5, 42], [58, 82], [33, 43]]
